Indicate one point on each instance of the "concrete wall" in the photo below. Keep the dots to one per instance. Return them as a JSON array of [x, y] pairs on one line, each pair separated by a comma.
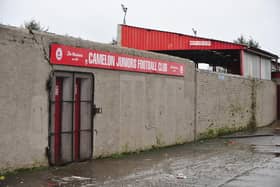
[[266, 102], [223, 101], [23, 100], [140, 110], [228, 102]]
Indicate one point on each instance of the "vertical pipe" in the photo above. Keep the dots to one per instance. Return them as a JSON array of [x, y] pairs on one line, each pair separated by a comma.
[[195, 103], [260, 68], [242, 62], [91, 117]]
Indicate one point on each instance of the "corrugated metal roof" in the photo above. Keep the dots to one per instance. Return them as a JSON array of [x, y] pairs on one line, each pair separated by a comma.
[[148, 39], [262, 52]]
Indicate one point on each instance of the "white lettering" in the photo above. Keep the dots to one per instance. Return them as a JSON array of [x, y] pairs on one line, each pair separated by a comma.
[[111, 60], [174, 67], [101, 59], [162, 67], [147, 65], [126, 62], [74, 54], [200, 43], [90, 58]]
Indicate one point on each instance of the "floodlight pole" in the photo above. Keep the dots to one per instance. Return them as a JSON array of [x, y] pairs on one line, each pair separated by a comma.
[[125, 11], [124, 22]]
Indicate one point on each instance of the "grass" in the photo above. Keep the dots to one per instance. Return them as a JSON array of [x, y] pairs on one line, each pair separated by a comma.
[[213, 133], [23, 170]]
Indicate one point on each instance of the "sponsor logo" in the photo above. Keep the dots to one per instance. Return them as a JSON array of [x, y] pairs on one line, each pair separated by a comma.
[[58, 54]]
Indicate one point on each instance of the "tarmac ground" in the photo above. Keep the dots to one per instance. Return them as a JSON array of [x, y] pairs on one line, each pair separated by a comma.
[[241, 159]]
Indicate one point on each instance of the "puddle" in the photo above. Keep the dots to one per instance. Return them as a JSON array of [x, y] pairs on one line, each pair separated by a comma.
[[71, 181]]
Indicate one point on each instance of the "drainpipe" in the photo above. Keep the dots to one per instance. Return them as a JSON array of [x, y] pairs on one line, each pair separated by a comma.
[[195, 103], [242, 62], [260, 67]]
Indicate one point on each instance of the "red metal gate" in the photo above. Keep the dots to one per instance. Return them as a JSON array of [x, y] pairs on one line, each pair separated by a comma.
[[71, 117], [57, 117], [77, 111]]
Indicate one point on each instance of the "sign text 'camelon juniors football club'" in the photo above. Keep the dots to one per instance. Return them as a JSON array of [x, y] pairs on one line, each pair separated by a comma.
[[73, 56]]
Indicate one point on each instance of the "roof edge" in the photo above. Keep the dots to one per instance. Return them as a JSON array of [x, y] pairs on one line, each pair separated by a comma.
[[203, 38], [242, 46], [262, 52]]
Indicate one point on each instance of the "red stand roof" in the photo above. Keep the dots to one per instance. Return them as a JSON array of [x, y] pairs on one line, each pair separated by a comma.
[[155, 40]]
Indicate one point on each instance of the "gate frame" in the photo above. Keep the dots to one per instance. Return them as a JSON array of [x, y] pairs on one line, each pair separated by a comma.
[[278, 101], [93, 112]]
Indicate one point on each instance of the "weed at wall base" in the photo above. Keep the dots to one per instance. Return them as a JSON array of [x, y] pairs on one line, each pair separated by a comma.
[[213, 133]]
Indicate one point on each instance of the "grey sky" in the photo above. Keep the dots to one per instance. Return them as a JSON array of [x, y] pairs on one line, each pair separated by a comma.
[[97, 19]]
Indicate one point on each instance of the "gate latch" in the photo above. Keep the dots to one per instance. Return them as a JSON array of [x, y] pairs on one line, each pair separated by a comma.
[[96, 110]]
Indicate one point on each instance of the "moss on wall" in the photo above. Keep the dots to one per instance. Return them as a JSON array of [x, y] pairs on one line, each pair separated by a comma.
[[215, 132], [252, 125]]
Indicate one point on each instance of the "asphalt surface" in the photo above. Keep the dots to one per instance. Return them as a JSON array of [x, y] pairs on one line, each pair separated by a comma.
[[241, 159]]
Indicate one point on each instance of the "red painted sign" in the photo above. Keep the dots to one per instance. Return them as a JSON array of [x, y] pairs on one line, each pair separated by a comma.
[[73, 56]]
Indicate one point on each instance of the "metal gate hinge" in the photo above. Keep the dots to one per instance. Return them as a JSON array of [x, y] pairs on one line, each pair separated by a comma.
[[97, 110]]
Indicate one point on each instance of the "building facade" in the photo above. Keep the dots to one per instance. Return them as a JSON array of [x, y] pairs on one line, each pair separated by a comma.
[[65, 100], [232, 58]]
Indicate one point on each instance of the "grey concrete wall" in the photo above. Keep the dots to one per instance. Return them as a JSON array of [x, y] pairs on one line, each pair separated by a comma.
[[228, 102], [222, 101], [23, 100], [140, 110], [266, 102]]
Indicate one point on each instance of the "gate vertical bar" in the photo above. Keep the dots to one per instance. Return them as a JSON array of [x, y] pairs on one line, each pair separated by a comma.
[[278, 102], [77, 118]]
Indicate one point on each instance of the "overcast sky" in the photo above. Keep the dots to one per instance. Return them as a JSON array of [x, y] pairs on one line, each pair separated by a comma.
[[97, 20]]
